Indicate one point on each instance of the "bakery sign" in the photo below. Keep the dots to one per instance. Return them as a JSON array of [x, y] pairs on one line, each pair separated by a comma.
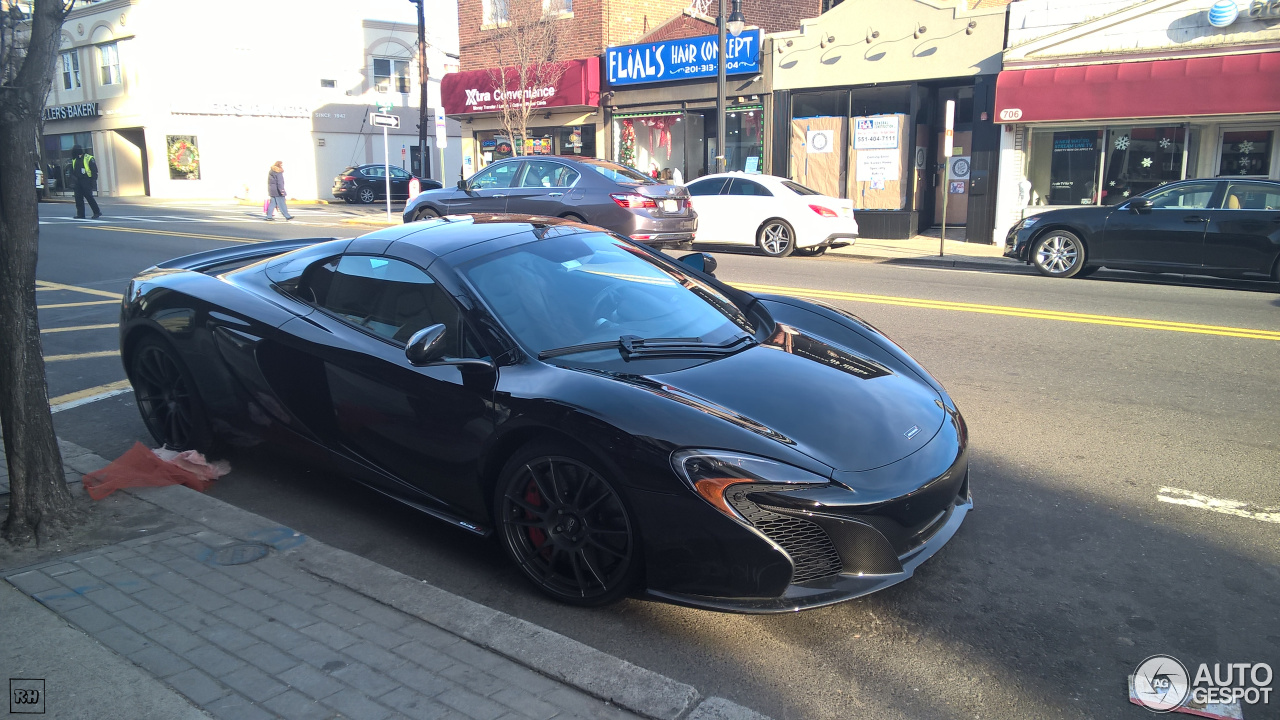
[[71, 112], [482, 91]]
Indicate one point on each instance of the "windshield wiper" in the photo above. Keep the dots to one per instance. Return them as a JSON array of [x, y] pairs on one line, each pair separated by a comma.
[[635, 346]]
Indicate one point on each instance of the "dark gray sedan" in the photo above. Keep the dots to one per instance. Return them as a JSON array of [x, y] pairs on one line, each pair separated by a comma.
[[596, 192]]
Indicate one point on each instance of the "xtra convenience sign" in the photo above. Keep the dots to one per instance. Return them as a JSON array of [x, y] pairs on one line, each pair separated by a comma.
[[682, 59], [481, 91]]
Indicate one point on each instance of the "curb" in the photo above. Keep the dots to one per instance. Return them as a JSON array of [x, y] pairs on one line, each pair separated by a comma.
[[949, 261], [371, 221], [543, 651]]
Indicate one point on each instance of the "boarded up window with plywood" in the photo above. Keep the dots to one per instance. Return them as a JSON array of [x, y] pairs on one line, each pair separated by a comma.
[[879, 156], [817, 153]]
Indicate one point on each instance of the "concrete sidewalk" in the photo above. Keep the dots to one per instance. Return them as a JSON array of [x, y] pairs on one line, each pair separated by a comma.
[[194, 608], [923, 250]]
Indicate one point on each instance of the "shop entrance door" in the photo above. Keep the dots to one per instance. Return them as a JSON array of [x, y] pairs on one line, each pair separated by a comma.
[[958, 186]]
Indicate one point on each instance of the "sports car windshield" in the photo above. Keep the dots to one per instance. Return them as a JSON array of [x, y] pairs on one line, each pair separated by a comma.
[[584, 288]]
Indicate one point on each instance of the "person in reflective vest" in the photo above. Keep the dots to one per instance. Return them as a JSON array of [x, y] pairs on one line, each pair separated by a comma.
[[84, 178]]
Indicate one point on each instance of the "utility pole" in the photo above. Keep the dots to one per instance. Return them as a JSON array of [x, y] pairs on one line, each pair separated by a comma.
[[720, 89], [423, 74]]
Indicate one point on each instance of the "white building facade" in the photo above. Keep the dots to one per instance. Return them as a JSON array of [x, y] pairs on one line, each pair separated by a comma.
[[186, 99], [1104, 99]]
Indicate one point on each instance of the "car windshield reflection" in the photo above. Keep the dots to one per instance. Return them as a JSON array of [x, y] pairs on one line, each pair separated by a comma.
[[585, 288]]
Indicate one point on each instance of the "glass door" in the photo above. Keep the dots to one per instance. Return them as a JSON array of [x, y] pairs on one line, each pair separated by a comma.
[[1247, 152]]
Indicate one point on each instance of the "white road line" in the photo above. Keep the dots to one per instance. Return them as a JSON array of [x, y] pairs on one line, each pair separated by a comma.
[[1238, 508]]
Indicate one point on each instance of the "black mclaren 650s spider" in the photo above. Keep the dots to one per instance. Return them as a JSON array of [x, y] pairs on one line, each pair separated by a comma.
[[623, 421]]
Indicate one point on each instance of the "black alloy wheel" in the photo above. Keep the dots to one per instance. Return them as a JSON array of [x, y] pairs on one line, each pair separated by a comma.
[[566, 527], [425, 213], [776, 238], [1059, 254], [367, 195], [167, 399]]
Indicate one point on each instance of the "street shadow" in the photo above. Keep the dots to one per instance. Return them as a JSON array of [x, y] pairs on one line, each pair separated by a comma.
[[1179, 280]]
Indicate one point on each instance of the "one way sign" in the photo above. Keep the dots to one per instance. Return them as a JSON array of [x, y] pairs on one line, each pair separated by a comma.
[[384, 120]]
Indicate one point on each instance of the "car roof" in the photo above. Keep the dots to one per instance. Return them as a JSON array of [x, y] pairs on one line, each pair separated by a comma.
[[427, 240]]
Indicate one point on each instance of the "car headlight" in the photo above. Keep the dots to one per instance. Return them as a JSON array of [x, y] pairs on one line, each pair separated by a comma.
[[1028, 222], [711, 472]]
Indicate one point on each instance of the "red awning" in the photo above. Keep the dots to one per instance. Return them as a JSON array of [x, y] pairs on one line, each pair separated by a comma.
[[476, 91], [1223, 85]]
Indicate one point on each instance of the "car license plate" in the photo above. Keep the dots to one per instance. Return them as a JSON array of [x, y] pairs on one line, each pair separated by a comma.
[[670, 206]]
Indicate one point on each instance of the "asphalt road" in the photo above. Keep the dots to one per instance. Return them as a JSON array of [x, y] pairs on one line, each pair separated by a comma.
[[1067, 575]]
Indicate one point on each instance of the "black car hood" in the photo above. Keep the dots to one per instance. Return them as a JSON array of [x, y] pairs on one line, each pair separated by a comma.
[[839, 407]]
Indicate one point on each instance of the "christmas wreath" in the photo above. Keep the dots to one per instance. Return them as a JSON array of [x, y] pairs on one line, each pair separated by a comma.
[[184, 157], [627, 148]]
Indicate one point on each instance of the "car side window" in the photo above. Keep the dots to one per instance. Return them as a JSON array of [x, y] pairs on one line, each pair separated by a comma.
[[375, 171], [383, 296], [398, 173], [711, 186], [1195, 196], [495, 176], [1252, 196], [748, 187], [546, 174]]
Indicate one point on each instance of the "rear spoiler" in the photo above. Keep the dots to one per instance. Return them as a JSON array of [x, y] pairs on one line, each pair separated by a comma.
[[237, 253]]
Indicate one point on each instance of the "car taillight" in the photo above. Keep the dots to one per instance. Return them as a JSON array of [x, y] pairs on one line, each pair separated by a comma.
[[632, 201], [823, 211], [347, 178]]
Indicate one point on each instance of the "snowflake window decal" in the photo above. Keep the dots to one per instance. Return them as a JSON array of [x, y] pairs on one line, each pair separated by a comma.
[[1246, 147], [1165, 143], [1113, 183], [1146, 162], [1124, 194], [1122, 142]]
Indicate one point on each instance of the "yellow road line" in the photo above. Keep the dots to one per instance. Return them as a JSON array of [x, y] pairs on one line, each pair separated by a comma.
[[45, 285], [1033, 313], [78, 304], [103, 326], [90, 392], [81, 356], [176, 234]]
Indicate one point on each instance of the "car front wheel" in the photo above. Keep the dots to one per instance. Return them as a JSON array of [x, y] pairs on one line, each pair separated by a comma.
[[566, 526], [167, 397], [1058, 254]]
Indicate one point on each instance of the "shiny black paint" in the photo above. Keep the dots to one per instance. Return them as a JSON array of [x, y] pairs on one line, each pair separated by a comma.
[[1216, 241], [823, 391]]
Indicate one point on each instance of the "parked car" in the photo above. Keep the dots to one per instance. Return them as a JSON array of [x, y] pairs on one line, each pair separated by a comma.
[[368, 183], [596, 192], [777, 215], [1223, 227], [39, 179], [622, 421]]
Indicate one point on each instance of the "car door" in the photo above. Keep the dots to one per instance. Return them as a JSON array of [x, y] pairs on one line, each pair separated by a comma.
[[1244, 234], [1167, 237], [747, 205], [708, 200], [375, 176], [487, 190], [542, 189], [424, 427], [399, 184]]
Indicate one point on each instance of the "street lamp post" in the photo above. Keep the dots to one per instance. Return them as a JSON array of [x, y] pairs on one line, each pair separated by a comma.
[[734, 25], [423, 75]]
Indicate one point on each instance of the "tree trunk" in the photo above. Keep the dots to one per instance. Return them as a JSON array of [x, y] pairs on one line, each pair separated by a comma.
[[40, 505]]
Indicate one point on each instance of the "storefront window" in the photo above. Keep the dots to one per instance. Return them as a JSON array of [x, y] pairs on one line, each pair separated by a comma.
[[1063, 167], [184, 157], [1140, 158], [578, 140], [656, 144], [1246, 152], [744, 149], [58, 156]]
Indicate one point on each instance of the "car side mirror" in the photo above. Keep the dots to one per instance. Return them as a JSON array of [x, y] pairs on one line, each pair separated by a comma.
[[702, 262], [426, 345], [1140, 205], [462, 185]]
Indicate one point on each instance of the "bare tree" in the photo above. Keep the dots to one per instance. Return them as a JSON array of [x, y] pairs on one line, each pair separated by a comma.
[[40, 506], [526, 39]]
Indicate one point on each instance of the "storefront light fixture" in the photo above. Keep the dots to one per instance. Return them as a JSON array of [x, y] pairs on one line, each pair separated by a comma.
[[920, 30], [970, 28], [737, 21], [872, 35]]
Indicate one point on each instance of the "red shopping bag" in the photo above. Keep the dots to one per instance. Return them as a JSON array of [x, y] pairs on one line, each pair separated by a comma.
[[266, 205]]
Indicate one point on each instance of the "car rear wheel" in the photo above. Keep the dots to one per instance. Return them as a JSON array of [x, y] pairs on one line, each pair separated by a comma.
[[566, 526], [776, 238], [167, 397], [425, 213], [575, 218], [1058, 254], [367, 195]]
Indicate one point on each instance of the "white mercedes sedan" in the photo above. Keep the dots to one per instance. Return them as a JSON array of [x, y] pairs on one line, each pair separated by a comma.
[[776, 214]]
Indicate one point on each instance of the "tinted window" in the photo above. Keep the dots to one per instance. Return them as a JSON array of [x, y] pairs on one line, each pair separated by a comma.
[[584, 288], [1195, 196], [622, 174], [389, 298], [374, 171], [495, 176], [1252, 196], [799, 189], [398, 173], [543, 173], [748, 187], [713, 186]]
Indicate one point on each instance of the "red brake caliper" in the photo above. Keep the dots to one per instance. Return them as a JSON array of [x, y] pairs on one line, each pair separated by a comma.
[[534, 498]]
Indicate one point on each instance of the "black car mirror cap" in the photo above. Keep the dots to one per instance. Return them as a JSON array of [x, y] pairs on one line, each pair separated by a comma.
[[463, 186], [426, 345], [1140, 204], [702, 262]]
